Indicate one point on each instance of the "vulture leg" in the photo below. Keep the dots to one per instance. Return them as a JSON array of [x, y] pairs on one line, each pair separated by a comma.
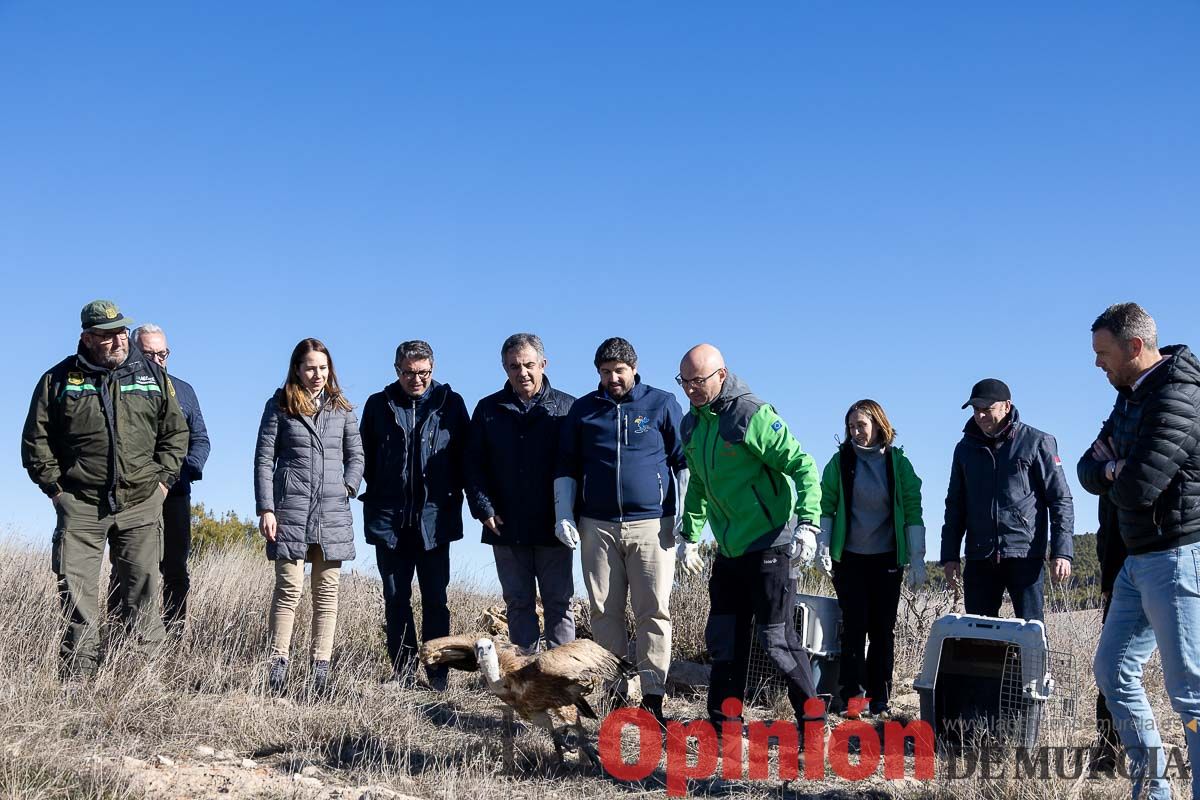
[[544, 720], [509, 732], [586, 749], [585, 708]]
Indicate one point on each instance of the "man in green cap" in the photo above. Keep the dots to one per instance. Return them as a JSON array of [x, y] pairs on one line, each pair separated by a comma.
[[104, 440]]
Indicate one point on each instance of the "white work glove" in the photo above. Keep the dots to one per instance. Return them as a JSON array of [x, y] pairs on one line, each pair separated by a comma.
[[567, 533], [688, 555], [824, 558], [681, 484], [564, 510], [915, 534], [804, 543]]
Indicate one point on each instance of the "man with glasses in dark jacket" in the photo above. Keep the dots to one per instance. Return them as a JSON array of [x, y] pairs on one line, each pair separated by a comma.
[[414, 436], [510, 489], [151, 340], [1146, 460], [1007, 495]]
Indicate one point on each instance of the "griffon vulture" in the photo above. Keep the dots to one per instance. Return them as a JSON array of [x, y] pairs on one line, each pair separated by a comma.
[[536, 686]]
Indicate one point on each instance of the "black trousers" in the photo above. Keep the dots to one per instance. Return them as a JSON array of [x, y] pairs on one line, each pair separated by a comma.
[[984, 582], [177, 546], [868, 593], [1104, 719], [757, 585], [396, 568]]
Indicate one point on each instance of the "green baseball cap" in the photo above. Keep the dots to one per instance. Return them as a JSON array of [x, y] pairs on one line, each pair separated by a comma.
[[103, 315]]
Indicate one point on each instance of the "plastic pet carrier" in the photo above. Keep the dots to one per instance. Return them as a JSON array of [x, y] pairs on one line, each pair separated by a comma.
[[818, 622], [987, 681]]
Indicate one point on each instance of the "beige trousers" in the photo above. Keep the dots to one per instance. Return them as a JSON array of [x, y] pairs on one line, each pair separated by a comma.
[[289, 585], [634, 560]]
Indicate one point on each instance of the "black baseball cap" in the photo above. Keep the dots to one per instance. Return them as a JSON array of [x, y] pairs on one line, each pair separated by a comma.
[[988, 391]]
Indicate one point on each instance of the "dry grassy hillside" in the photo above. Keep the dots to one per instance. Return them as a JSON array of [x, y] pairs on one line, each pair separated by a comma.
[[197, 723]]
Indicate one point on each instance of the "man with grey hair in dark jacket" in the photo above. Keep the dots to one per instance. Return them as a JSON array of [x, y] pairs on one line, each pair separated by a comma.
[[1007, 495], [151, 340], [510, 489], [1146, 460]]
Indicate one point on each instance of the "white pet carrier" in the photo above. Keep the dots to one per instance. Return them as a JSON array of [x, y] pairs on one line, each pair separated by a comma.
[[986, 681]]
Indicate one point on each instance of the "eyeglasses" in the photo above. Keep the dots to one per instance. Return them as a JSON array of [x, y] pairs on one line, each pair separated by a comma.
[[694, 383], [163, 354], [108, 336], [408, 374]]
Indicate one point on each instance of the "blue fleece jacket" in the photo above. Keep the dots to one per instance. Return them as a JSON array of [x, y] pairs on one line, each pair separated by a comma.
[[622, 453]]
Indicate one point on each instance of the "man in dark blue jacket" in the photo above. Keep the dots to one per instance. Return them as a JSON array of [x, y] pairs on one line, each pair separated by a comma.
[[151, 340], [414, 435], [1007, 492], [620, 450], [510, 489]]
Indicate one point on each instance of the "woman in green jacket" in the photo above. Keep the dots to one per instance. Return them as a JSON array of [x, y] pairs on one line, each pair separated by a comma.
[[871, 527]]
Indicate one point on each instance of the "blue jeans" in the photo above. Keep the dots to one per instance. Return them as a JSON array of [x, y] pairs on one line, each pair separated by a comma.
[[1156, 600]]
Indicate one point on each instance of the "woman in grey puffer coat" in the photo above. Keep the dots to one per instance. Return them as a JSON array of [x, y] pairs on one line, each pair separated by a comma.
[[307, 465]]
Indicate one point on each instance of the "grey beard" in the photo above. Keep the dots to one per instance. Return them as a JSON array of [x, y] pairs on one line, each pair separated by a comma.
[[110, 360]]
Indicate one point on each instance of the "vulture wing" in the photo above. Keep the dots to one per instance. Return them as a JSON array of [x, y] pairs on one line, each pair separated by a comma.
[[456, 652], [562, 676], [584, 660]]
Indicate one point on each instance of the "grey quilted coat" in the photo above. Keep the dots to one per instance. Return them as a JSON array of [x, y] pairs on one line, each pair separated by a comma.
[[305, 469]]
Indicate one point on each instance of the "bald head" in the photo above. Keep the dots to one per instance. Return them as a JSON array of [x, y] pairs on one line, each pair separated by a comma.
[[702, 374], [702, 357]]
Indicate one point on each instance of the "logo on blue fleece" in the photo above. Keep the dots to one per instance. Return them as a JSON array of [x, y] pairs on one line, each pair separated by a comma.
[[641, 424]]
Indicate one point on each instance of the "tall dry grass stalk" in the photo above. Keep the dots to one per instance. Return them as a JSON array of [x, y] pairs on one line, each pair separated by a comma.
[[60, 739]]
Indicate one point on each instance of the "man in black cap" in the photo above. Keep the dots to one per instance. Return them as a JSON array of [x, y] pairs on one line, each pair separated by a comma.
[[1007, 492], [104, 440]]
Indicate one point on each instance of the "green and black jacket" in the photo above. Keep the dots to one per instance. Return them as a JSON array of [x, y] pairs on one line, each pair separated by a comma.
[[108, 437], [837, 494], [749, 475]]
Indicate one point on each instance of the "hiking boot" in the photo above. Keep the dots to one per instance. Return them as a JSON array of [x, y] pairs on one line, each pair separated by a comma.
[[278, 674], [439, 680], [1104, 759], [404, 677], [320, 678], [654, 704], [78, 671], [740, 733], [616, 697], [857, 708]]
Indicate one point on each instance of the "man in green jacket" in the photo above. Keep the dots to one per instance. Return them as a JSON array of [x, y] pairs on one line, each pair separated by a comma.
[[741, 456], [104, 440]]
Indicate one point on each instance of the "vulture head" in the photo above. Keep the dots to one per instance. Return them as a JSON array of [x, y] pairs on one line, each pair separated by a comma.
[[489, 662]]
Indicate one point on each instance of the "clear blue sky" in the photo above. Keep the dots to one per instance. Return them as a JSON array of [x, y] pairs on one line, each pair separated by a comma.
[[885, 200]]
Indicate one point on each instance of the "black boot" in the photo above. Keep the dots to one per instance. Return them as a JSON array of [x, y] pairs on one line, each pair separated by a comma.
[[654, 704], [402, 677], [616, 697], [439, 678]]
